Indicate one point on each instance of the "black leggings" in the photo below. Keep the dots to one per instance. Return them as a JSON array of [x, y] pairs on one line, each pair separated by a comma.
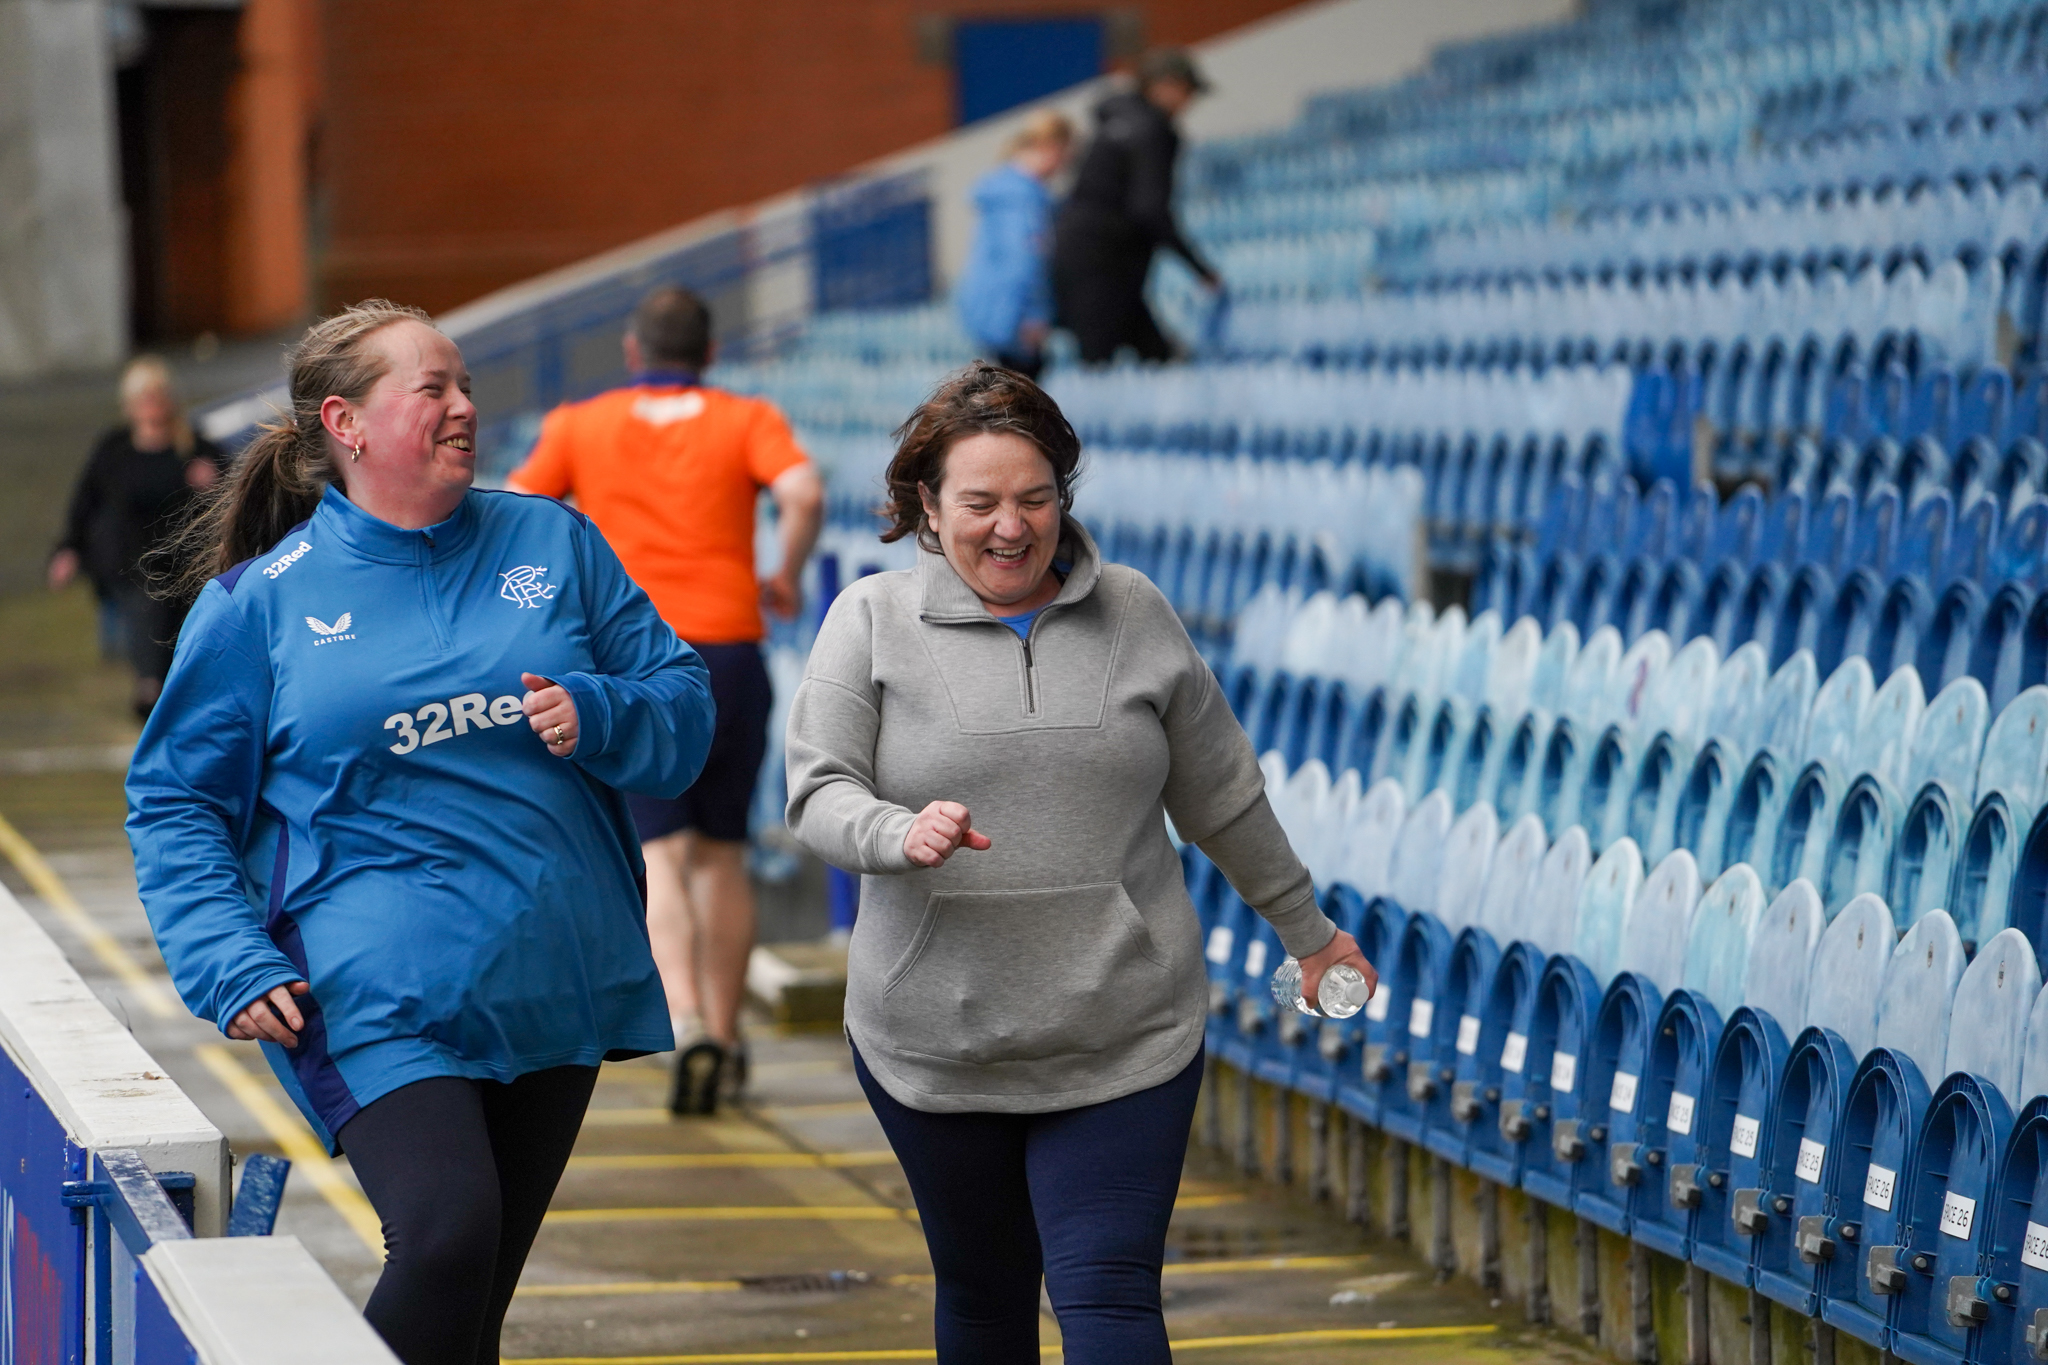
[[460, 1172]]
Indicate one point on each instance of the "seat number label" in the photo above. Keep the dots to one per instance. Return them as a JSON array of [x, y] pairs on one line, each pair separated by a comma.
[[1255, 958], [1468, 1034], [1220, 943], [1377, 1007], [1564, 1071], [1421, 1014], [1958, 1211], [1679, 1118], [1877, 1187], [1811, 1155], [1622, 1097], [2034, 1247], [1514, 1052], [1742, 1139]]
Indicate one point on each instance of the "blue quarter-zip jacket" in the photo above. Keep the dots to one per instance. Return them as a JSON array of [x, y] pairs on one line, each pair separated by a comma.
[[1004, 284], [338, 785]]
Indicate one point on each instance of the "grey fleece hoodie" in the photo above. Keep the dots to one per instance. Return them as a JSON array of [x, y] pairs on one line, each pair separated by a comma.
[[1062, 966]]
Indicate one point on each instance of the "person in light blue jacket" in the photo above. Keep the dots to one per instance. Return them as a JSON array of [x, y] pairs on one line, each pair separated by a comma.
[[378, 815], [1004, 297]]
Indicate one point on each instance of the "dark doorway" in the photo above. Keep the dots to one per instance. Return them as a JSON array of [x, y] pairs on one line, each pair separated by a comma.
[[999, 64], [176, 148]]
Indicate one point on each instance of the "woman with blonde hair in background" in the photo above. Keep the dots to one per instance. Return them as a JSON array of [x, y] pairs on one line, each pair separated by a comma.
[[134, 492], [1004, 296]]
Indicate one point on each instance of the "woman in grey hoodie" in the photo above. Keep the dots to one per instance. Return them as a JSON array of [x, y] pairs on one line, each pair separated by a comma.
[[995, 740]]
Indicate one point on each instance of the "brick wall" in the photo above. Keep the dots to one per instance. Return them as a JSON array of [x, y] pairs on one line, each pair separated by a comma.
[[467, 144]]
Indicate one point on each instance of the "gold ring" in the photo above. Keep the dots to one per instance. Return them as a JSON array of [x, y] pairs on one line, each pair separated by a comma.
[[558, 736]]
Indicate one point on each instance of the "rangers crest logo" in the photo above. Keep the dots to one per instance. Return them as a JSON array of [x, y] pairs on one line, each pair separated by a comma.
[[525, 586]]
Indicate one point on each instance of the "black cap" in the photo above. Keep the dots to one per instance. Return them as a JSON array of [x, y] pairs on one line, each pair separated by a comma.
[[1171, 64]]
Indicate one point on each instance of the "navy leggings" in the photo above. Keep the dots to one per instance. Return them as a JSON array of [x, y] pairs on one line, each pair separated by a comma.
[[1080, 1197]]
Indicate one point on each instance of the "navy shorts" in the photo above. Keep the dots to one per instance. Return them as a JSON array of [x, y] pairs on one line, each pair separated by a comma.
[[717, 805]]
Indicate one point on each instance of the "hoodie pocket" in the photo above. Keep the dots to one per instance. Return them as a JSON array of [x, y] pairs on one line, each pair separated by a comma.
[[1009, 976]]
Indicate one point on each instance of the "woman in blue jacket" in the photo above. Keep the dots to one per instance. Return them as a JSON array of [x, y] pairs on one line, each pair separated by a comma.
[[1004, 296], [377, 815]]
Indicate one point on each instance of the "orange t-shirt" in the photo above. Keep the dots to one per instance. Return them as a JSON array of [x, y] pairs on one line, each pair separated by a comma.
[[670, 473]]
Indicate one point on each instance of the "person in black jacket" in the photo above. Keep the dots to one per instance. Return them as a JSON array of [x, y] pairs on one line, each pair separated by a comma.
[[1121, 211], [132, 496]]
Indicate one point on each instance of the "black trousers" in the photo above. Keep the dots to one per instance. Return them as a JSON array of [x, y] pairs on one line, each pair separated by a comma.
[[1098, 290], [460, 1173]]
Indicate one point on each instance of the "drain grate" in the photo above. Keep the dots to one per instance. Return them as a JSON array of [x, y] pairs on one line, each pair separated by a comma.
[[823, 1281]]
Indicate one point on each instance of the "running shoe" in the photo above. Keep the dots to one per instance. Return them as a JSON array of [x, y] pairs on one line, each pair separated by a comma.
[[700, 1064]]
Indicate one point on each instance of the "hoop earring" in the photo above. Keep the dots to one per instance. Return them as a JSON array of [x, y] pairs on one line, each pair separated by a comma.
[[356, 454]]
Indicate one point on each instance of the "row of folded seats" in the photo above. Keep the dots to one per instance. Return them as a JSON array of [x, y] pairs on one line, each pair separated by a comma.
[[1853, 786], [1779, 1054]]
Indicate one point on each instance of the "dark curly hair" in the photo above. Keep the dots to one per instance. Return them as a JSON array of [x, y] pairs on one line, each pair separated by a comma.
[[980, 400]]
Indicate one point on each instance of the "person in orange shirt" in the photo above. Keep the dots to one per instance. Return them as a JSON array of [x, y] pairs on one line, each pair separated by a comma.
[[671, 470]]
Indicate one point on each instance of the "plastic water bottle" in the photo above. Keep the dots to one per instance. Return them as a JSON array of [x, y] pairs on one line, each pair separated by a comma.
[[1342, 993]]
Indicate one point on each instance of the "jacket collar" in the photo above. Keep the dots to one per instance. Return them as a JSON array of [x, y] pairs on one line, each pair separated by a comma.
[[372, 538], [945, 598]]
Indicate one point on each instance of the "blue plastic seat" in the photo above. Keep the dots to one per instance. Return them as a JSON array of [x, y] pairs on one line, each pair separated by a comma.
[[1738, 531], [1467, 858], [1948, 1189], [1775, 978], [1902, 615], [1549, 597], [1875, 1139], [1831, 531], [1806, 823], [1368, 839], [2023, 546], [1699, 809], [1546, 1116], [1788, 707], [1560, 771], [1718, 948], [1434, 762], [1519, 761], [1803, 612], [1985, 400], [1735, 704], [1655, 933], [1877, 531], [1592, 600], [1996, 652], [1783, 538], [1923, 541], [1850, 967], [1720, 603], [1918, 999], [1974, 541], [1560, 650], [1755, 813], [1634, 596], [1611, 1100], [1674, 604], [1845, 630], [2019, 1205], [1551, 920], [1994, 1000], [1416, 988], [1756, 610], [1496, 1070], [1447, 1086], [1988, 863], [1860, 850], [1882, 744], [1605, 902], [1505, 898], [1803, 1235], [1950, 633], [1838, 713]]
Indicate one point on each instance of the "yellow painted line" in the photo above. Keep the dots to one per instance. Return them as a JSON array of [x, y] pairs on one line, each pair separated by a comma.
[[825, 1110], [1335, 1334], [621, 1118], [823, 1213], [1332, 1334], [728, 1213], [289, 1131], [28, 860], [625, 1287], [1255, 1264], [665, 1161], [582, 1291]]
